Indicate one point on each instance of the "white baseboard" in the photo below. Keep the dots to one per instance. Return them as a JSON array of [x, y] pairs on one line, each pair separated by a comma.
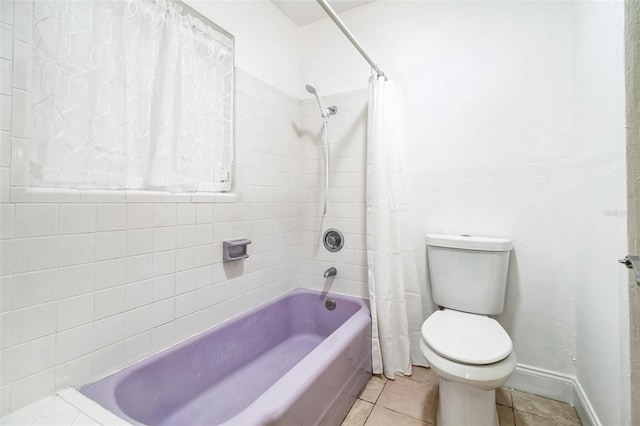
[[537, 381], [584, 408], [553, 385]]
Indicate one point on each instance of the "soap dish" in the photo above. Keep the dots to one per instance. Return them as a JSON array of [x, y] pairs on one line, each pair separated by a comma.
[[235, 249]]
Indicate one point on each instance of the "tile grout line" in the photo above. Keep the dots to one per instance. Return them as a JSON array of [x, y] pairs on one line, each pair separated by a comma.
[[511, 408], [375, 404]]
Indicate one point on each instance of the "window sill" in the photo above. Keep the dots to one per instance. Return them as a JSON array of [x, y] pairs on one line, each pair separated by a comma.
[[63, 195]]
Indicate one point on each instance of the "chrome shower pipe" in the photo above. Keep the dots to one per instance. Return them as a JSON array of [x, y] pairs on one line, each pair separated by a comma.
[[335, 18]]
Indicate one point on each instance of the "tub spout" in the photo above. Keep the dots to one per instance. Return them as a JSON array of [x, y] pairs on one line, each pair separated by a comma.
[[331, 272]]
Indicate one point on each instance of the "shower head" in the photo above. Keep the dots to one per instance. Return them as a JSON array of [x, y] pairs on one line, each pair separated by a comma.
[[311, 89], [324, 112]]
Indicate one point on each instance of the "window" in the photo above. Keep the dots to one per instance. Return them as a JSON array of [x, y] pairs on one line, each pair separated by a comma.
[[133, 94]]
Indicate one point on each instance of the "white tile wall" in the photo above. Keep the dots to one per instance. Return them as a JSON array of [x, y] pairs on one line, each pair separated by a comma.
[[36, 219], [76, 249], [111, 245], [7, 77], [346, 210], [94, 280], [33, 254], [34, 288], [77, 218], [111, 217]]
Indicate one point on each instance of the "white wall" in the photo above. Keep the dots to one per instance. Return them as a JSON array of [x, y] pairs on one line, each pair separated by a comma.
[[266, 40], [602, 330], [514, 127], [487, 100]]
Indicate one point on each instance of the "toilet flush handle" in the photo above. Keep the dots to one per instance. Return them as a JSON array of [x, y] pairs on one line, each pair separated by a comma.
[[632, 262]]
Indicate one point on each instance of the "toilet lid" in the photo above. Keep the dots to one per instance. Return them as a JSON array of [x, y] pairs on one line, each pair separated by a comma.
[[467, 338]]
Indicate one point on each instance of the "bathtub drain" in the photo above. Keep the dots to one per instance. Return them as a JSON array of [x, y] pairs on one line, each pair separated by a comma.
[[330, 304]]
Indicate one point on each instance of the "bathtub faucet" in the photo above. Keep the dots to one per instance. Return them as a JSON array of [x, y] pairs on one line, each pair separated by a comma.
[[331, 272]]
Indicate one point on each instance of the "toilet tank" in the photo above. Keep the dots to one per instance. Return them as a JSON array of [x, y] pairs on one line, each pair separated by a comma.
[[468, 273]]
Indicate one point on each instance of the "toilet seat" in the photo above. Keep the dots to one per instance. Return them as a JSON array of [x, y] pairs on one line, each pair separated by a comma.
[[466, 338], [486, 377]]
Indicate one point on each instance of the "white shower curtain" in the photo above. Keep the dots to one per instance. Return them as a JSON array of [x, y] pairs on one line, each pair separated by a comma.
[[394, 293]]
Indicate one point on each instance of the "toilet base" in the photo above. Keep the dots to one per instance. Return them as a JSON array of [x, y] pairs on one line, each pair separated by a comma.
[[461, 405]]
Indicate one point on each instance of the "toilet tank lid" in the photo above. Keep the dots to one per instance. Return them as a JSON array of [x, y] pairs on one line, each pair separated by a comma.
[[469, 242]]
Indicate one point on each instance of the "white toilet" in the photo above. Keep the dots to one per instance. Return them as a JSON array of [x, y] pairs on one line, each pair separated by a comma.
[[470, 352]]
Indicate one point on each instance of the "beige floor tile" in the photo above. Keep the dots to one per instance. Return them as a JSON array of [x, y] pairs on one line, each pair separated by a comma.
[[526, 419], [358, 413], [412, 398], [555, 411], [373, 389], [423, 375], [381, 416], [503, 397], [505, 415]]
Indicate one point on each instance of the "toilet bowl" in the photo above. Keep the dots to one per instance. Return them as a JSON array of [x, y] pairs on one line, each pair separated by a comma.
[[469, 351], [472, 355]]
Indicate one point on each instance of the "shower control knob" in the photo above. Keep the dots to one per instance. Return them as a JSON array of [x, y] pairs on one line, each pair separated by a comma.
[[333, 240]]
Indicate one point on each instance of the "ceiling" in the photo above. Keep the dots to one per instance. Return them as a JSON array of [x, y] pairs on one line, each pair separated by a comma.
[[303, 12]]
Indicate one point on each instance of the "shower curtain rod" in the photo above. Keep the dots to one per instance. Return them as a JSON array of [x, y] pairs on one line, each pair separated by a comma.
[[335, 18]]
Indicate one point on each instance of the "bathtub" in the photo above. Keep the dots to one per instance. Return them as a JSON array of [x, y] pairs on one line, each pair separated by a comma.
[[291, 361]]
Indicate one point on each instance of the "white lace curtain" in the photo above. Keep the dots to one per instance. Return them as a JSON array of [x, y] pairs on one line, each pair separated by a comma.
[[130, 94]]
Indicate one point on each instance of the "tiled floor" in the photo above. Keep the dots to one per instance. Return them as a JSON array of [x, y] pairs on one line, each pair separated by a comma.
[[413, 401]]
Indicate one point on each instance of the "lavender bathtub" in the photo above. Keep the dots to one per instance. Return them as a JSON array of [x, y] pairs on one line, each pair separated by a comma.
[[291, 361]]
